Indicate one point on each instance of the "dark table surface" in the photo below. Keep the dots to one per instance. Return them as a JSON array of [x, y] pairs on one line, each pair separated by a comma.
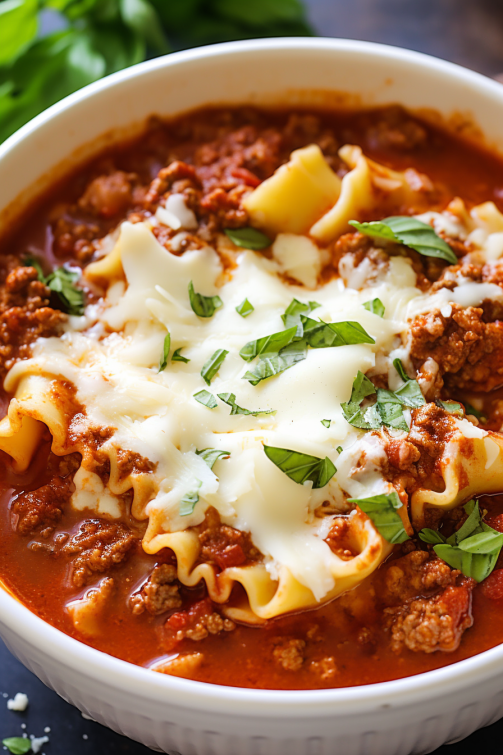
[[468, 32]]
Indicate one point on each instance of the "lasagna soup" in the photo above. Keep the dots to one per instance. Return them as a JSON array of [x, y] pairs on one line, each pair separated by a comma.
[[252, 367]]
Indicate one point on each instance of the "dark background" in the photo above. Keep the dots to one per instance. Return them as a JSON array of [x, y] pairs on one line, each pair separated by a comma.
[[468, 32]]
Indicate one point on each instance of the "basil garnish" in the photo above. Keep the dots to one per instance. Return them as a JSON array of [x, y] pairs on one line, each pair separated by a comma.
[[268, 366], [339, 449], [322, 335], [203, 306], [326, 422], [230, 399], [301, 467], [245, 308], [165, 353], [469, 409], [389, 407], [188, 502], [206, 399], [211, 455], [17, 745], [267, 344], [249, 238], [362, 388], [410, 232], [177, 357], [397, 364], [211, 367], [382, 510], [293, 312], [375, 306], [68, 297], [452, 407], [473, 549]]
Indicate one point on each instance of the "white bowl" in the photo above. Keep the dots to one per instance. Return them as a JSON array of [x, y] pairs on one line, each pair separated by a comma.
[[414, 715]]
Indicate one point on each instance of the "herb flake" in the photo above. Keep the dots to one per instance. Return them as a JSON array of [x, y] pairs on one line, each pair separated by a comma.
[[245, 308], [188, 502], [206, 399], [248, 238], [382, 510], [165, 353], [211, 367], [211, 455], [230, 399], [177, 357], [17, 745], [203, 306], [375, 306], [301, 467]]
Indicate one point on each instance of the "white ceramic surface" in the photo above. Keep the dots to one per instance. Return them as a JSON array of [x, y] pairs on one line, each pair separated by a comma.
[[413, 715]]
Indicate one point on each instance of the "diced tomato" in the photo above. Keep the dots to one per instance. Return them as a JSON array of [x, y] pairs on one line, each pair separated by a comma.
[[246, 176], [492, 587], [232, 555], [496, 522]]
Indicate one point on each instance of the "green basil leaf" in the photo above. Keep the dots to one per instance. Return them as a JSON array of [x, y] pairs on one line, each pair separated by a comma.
[[165, 353], [452, 407], [249, 238], [270, 365], [211, 367], [470, 526], [339, 449], [375, 306], [188, 502], [211, 455], [293, 312], [267, 344], [68, 297], [410, 232], [363, 419], [177, 357], [142, 18], [362, 387], [469, 409], [410, 394], [301, 467], [431, 536], [381, 509], [203, 306], [230, 399], [245, 308], [390, 410], [483, 542], [478, 566], [322, 335], [17, 745], [326, 422], [397, 364], [206, 399], [18, 27]]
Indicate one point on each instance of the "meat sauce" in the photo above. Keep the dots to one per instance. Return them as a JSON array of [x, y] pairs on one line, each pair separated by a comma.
[[214, 156]]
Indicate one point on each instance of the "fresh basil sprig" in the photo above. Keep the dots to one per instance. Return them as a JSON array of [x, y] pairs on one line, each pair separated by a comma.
[[230, 399], [249, 238], [245, 308], [188, 502], [17, 745], [211, 455], [213, 364], [410, 232], [177, 357], [474, 549], [375, 306], [165, 353], [382, 510], [301, 467], [206, 399], [203, 306]]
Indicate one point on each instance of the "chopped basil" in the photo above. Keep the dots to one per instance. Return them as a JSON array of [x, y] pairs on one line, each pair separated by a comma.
[[375, 306], [245, 308], [322, 335], [452, 407], [390, 410], [397, 364], [188, 502], [410, 232], [301, 467], [206, 399], [211, 367], [293, 312], [339, 449], [230, 399], [249, 238], [326, 422], [382, 509], [177, 357], [33, 262], [469, 409], [473, 549], [353, 413], [67, 297], [410, 395], [267, 344], [17, 745], [270, 365], [165, 352], [203, 306], [211, 455]]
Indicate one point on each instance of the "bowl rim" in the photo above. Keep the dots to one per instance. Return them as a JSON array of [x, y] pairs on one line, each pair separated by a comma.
[[248, 702]]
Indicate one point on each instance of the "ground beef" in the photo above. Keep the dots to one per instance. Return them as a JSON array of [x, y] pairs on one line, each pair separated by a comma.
[[108, 195], [223, 545], [97, 547], [325, 669], [338, 539], [194, 623], [41, 509], [417, 573], [468, 351], [289, 653], [427, 625], [130, 462], [159, 594], [25, 314]]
